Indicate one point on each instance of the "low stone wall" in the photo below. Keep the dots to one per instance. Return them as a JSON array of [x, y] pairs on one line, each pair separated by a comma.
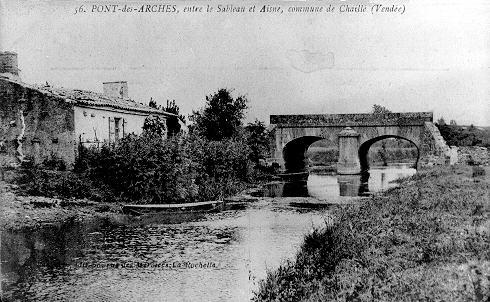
[[352, 120], [432, 160], [474, 155]]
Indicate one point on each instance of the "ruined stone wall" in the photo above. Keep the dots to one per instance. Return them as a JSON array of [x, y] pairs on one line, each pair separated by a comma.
[[435, 149], [473, 155], [34, 126]]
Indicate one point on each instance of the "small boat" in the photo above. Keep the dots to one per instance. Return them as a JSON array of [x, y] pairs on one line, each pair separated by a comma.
[[296, 176], [204, 206]]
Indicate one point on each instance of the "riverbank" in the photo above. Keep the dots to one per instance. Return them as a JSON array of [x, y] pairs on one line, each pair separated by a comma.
[[427, 239], [96, 260], [20, 212]]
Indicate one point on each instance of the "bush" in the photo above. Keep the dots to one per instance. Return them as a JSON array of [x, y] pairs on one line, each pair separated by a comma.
[[149, 169], [146, 169], [455, 135], [222, 168], [154, 125], [53, 162], [257, 140], [60, 184]]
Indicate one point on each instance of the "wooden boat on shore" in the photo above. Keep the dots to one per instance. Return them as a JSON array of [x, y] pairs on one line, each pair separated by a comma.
[[204, 206]]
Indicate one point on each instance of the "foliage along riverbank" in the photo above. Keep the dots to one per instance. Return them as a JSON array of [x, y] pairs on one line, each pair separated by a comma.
[[218, 158], [140, 169], [425, 240], [21, 211], [149, 169]]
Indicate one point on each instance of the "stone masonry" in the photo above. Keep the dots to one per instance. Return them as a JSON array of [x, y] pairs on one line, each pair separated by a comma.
[[294, 134], [39, 122]]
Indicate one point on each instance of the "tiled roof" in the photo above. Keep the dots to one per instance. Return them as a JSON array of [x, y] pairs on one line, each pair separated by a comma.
[[90, 98]]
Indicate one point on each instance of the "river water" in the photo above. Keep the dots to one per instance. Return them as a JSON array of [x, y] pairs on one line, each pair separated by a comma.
[[325, 187], [218, 257]]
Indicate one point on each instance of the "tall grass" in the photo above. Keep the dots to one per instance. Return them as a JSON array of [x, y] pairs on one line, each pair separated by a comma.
[[425, 240]]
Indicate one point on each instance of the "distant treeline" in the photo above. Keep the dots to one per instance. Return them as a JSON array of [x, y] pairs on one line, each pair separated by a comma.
[[381, 153], [456, 135]]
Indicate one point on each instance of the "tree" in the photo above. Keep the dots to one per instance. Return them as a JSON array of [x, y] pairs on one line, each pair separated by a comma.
[[455, 135], [154, 125], [172, 107], [173, 124], [221, 117], [378, 109], [153, 104], [257, 140]]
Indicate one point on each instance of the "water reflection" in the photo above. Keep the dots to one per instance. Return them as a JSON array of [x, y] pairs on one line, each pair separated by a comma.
[[352, 185], [329, 186], [218, 258]]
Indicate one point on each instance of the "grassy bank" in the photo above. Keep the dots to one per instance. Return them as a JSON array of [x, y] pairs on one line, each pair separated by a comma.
[[20, 211], [426, 240]]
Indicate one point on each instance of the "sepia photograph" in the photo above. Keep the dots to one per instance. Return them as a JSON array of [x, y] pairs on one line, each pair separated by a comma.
[[208, 150]]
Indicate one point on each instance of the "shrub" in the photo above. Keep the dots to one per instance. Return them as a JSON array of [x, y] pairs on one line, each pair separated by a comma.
[[60, 184], [464, 135], [154, 125], [221, 167], [54, 162], [145, 169], [149, 169], [257, 140]]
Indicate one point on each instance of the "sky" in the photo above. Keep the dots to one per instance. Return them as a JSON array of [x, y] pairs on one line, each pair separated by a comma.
[[434, 57]]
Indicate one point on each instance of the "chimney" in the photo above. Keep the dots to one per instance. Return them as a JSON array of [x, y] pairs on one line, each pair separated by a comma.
[[117, 89], [8, 64]]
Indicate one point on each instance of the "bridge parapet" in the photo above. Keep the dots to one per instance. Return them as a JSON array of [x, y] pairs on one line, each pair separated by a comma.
[[352, 120]]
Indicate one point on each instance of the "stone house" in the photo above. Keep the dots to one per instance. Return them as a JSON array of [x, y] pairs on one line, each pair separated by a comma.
[[39, 121]]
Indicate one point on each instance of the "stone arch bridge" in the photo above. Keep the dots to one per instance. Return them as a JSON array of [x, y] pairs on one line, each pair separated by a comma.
[[353, 135]]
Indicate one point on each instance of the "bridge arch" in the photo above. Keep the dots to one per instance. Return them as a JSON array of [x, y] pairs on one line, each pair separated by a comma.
[[294, 153], [294, 133], [364, 149]]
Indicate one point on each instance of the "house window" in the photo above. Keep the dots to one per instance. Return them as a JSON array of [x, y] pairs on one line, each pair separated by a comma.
[[117, 128]]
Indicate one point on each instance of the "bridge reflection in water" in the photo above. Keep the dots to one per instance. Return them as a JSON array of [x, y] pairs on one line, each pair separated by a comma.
[[324, 187]]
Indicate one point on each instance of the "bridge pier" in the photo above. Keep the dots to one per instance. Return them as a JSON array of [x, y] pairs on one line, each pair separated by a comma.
[[295, 133], [348, 152]]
